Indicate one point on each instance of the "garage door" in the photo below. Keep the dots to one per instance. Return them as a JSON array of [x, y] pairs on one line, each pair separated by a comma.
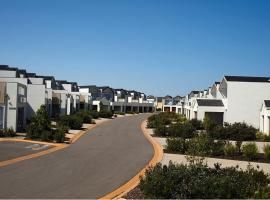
[[216, 117]]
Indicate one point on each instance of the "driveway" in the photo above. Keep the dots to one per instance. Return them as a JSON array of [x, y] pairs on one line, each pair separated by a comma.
[[98, 163], [10, 150]]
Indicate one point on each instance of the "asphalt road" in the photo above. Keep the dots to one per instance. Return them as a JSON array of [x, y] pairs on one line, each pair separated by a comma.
[[99, 162]]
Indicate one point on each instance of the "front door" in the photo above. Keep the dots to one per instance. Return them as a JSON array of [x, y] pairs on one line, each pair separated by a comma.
[[1, 117], [20, 119]]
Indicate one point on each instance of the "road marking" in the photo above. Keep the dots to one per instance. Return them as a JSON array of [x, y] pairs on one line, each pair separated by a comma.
[[132, 183]]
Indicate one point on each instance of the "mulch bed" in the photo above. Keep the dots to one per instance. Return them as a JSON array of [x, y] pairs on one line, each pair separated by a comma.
[[136, 193]]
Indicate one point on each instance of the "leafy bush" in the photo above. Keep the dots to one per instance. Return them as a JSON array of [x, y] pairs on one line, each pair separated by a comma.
[[164, 118], [130, 112], [60, 134], [208, 124], [236, 131], [230, 149], [262, 137], [94, 114], [184, 130], [197, 124], [202, 145], [40, 125], [71, 121], [197, 181], [177, 145], [86, 116], [161, 130], [250, 151], [105, 114], [9, 132], [266, 150]]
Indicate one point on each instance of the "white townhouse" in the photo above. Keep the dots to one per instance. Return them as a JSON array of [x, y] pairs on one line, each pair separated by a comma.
[[234, 99], [243, 97], [174, 104], [13, 103], [265, 117], [73, 97]]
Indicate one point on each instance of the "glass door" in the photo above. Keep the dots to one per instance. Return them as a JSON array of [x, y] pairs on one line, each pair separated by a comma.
[[1, 117]]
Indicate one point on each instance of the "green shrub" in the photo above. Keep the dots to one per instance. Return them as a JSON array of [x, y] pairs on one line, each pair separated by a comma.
[[217, 148], [9, 132], [94, 114], [184, 130], [46, 135], [197, 181], [119, 113], [235, 131], [164, 118], [60, 134], [176, 145], [130, 112], [71, 121], [39, 126], [202, 145], [197, 124], [208, 124], [105, 114], [230, 149], [262, 137], [86, 116], [161, 130], [250, 151], [266, 150]]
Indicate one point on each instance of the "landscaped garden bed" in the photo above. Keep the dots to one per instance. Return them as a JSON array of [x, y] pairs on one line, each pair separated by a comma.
[[196, 180]]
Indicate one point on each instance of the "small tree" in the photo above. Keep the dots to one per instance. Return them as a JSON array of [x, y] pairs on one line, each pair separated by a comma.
[[40, 125]]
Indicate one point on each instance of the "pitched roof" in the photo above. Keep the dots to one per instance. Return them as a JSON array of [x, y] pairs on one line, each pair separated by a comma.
[[267, 103], [247, 79], [209, 102]]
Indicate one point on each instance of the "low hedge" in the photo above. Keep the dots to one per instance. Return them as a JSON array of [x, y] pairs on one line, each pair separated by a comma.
[[235, 131], [197, 181], [71, 121], [183, 130], [164, 118], [86, 116], [9, 132], [105, 114]]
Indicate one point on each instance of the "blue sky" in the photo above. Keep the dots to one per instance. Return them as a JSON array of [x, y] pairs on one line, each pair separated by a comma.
[[158, 47]]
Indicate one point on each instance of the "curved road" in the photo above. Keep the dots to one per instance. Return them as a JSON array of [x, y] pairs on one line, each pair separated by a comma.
[[98, 163]]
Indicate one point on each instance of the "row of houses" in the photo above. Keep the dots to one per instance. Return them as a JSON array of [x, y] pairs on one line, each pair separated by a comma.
[[22, 93], [233, 99]]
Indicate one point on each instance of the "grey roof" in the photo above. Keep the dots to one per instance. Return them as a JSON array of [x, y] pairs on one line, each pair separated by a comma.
[[267, 103], [209, 102], [247, 79]]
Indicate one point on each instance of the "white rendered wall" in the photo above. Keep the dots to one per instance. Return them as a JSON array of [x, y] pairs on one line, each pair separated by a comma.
[[35, 98], [245, 100]]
